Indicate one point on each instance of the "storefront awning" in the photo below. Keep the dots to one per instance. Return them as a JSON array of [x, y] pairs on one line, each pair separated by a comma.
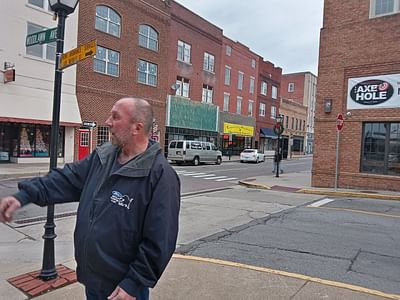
[[268, 133]]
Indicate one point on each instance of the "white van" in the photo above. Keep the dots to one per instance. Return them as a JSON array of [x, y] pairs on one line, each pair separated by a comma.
[[196, 152]]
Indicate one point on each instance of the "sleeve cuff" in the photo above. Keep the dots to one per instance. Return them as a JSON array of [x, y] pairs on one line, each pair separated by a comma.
[[22, 197], [131, 287]]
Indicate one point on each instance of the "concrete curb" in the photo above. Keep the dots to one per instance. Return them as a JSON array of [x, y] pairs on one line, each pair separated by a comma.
[[350, 194], [254, 185]]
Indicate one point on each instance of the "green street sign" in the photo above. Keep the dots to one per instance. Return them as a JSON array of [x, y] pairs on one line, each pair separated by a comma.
[[41, 37]]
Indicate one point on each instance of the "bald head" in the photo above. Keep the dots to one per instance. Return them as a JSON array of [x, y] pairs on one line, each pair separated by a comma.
[[140, 111]]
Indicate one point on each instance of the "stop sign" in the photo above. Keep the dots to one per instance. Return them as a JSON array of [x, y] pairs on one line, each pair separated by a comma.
[[339, 122]]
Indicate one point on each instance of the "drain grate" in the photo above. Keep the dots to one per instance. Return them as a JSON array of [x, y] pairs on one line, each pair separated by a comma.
[[284, 188]]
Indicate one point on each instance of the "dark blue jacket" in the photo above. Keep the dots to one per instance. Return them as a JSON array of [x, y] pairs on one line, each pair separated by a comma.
[[127, 221]]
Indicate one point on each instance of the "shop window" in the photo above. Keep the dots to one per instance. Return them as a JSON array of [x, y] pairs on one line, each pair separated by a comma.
[[42, 141], [26, 141], [103, 135]]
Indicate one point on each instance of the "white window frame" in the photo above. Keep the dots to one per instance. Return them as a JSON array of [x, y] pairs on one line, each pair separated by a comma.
[[290, 87], [273, 112], [372, 10], [45, 5], [103, 135], [262, 110], [150, 35], [209, 61], [274, 92], [207, 95], [250, 108], [240, 80], [227, 80], [45, 49], [228, 50], [108, 21], [147, 73], [239, 101], [253, 63], [183, 87], [107, 61], [264, 88], [252, 84], [184, 52], [226, 101]]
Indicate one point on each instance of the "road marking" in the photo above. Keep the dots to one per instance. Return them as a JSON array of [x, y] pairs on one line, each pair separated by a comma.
[[321, 202], [360, 211], [202, 176], [216, 177], [225, 179], [291, 275], [191, 174]]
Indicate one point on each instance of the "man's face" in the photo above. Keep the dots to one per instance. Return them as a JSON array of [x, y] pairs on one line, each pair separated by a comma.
[[120, 124]]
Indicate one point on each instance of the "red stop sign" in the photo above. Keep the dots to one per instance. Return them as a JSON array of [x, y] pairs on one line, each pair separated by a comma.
[[339, 122]]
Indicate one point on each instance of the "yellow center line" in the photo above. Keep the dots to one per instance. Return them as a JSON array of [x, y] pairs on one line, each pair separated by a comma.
[[288, 274], [358, 211]]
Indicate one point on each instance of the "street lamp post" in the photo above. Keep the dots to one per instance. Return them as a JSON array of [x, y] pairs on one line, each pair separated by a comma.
[[278, 129], [61, 8]]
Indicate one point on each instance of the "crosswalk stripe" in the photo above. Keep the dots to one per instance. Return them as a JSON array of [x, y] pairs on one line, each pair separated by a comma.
[[190, 173], [226, 179], [201, 176], [216, 177]]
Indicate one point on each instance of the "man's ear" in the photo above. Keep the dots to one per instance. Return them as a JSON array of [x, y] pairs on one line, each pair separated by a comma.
[[138, 127]]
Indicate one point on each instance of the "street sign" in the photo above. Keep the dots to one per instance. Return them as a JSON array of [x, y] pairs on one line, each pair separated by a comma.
[[89, 124], [41, 37], [80, 53], [339, 122]]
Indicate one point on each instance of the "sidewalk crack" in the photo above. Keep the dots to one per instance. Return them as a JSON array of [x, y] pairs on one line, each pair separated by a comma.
[[298, 291]]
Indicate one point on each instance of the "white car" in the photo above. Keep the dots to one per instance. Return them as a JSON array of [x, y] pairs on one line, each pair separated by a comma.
[[251, 155]]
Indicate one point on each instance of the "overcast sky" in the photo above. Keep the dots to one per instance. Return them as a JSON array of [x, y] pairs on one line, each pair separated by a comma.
[[285, 32]]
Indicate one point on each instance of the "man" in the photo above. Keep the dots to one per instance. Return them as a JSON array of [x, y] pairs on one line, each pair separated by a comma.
[[129, 199]]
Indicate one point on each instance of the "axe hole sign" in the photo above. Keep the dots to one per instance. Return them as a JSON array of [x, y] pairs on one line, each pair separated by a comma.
[[339, 122]]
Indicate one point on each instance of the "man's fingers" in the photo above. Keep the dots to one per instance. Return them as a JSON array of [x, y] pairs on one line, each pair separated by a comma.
[[8, 206], [12, 207], [114, 293]]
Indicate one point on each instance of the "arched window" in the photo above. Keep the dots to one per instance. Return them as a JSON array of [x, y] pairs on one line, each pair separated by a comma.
[[108, 20], [148, 37]]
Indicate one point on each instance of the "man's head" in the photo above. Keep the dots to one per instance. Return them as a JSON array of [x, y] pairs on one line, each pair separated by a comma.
[[130, 120]]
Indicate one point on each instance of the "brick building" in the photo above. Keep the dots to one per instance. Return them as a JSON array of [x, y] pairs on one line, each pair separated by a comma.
[[268, 95], [302, 88], [359, 76], [132, 46]]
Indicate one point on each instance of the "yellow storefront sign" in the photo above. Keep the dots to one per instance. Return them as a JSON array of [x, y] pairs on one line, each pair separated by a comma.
[[244, 130]]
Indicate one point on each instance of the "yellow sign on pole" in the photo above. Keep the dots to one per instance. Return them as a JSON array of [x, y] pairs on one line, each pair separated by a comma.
[[80, 53]]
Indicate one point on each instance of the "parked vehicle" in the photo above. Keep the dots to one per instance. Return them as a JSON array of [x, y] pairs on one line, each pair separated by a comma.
[[251, 155], [196, 152]]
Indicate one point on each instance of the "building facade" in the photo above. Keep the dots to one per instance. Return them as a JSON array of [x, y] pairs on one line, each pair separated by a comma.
[[358, 77], [132, 47], [27, 84], [302, 88]]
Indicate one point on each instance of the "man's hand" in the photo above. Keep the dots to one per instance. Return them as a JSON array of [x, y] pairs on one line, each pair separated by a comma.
[[120, 294], [8, 205]]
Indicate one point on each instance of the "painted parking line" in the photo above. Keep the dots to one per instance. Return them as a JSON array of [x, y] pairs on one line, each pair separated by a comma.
[[289, 274], [226, 179], [371, 213], [321, 202]]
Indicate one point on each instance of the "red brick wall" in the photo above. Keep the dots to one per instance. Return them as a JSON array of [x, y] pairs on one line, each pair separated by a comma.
[[203, 37], [97, 92], [351, 45], [298, 79]]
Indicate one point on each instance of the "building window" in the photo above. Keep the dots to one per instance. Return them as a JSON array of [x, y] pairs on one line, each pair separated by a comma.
[[207, 96], [228, 50], [252, 81], [107, 20], [45, 51], [297, 124], [183, 87], [103, 135], [148, 37], [384, 7], [263, 88], [147, 73], [240, 80], [287, 122], [106, 61], [292, 123], [208, 64], [262, 110], [290, 87], [253, 63], [40, 3], [226, 101], [273, 112], [250, 108], [184, 52], [239, 105], [380, 153], [227, 75], [274, 92]]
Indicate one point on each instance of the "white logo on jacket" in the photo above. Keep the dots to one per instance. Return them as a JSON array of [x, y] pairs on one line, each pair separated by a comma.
[[121, 200]]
